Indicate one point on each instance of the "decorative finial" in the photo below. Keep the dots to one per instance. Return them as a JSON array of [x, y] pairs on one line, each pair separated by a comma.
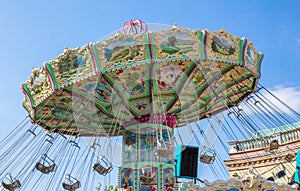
[[135, 27]]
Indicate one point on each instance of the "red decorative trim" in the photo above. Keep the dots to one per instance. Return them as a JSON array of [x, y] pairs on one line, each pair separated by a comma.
[[93, 58], [163, 119], [151, 72], [48, 76], [134, 27], [243, 51], [204, 43]]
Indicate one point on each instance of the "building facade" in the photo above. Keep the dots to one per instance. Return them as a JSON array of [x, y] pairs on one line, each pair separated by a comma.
[[270, 153]]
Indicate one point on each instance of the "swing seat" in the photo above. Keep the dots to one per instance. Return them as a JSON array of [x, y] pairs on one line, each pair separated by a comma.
[[12, 186], [71, 187], [289, 157], [273, 145], [45, 169], [101, 169], [207, 155], [145, 180], [164, 153], [207, 158]]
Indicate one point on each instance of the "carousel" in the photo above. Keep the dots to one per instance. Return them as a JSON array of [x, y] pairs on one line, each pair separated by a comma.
[[141, 108]]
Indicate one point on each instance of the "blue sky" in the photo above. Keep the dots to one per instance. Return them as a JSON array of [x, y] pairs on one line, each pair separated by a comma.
[[32, 32]]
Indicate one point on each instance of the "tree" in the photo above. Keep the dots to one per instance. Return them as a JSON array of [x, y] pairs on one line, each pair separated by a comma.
[[172, 41], [98, 187]]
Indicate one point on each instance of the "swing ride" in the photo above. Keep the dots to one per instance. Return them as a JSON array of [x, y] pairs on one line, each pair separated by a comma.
[[45, 165], [145, 90]]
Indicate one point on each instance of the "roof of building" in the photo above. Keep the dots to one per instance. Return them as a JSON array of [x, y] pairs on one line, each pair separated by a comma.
[[268, 132]]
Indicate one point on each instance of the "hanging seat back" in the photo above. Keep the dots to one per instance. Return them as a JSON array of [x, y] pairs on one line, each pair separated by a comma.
[[45, 165], [206, 159], [164, 149], [207, 155], [71, 187], [164, 153], [273, 145], [101, 169], [103, 166], [12, 184], [289, 157], [45, 169], [71, 183], [147, 180]]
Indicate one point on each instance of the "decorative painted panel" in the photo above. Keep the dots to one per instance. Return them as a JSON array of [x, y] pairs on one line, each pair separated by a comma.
[[121, 50], [177, 43], [223, 46]]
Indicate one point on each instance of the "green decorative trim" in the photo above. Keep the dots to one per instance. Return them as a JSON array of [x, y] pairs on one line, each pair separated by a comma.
[[52, 76], [68, 109], [28, 95], [204, 86], [90, 53], [180, 84], [117, 87], [97, 59], [258, 64], [148, 55], [209, 98], [202, 44], [153, 48], [241, 50], [237, 80], [91, 99], [145, 125], [143, 164], [25, 105]]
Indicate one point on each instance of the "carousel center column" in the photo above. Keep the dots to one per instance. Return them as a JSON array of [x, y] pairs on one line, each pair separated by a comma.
[[148, 153]]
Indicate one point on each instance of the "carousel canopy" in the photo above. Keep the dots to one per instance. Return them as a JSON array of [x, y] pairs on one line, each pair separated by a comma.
[[140, 74]]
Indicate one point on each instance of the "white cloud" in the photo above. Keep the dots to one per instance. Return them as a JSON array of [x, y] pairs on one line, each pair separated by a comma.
[[285, 102], [289, 95]]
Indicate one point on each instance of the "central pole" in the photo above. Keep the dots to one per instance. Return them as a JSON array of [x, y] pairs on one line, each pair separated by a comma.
[[148, 154]]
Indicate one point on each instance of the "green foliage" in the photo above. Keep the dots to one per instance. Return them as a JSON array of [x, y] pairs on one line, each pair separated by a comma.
[[168, 49], [172, 41], [106, 188]]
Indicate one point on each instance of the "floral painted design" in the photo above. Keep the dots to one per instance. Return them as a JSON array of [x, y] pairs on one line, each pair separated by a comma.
[[168, 76], [132, 81]]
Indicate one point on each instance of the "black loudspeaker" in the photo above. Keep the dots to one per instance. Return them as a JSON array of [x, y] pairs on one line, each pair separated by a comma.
[[186, 161]]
